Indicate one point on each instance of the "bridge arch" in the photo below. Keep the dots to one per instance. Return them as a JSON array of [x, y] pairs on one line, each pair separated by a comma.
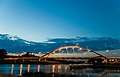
[[73, 48]]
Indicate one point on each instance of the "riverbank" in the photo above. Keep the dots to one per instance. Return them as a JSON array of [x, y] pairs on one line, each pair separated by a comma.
[[103, 66], [6, 75], [42, 74]]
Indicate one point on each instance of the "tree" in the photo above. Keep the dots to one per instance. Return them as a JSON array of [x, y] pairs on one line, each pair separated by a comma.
[[3, 53]]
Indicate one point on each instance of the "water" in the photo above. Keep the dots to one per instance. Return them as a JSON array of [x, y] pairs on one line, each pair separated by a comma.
[[19, 69]]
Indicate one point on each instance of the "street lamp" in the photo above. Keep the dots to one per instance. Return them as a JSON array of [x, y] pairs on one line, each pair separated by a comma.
[[107, 52]]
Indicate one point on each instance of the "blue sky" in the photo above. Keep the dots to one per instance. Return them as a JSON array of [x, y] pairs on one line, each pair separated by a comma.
[[37, 20]]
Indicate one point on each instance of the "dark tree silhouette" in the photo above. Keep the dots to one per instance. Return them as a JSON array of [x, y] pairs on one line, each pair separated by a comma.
[[3, 53]]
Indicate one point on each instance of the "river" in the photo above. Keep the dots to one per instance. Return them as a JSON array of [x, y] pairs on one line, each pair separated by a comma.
[[19, 69]]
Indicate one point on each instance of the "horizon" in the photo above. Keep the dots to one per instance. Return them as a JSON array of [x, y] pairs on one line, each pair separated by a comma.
[[47, 39], [39, 20]]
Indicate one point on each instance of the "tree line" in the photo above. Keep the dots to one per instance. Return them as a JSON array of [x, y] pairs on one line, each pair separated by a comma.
[[3, 53]]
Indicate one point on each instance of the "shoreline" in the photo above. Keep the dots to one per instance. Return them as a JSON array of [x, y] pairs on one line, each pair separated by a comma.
[[8, 75]]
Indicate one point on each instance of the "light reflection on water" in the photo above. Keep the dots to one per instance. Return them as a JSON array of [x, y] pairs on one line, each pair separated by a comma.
[[18, 69]]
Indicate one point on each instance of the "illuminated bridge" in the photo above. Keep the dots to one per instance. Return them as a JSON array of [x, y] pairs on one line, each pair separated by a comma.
[[77, 53], [72, 52], [66, 53]]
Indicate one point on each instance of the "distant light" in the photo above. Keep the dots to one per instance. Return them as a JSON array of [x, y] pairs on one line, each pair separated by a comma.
[[80, 48], [107, 50]]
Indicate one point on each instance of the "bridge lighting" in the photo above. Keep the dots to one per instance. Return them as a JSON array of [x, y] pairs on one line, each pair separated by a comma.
[[80, 48], [70, 55], [39, 52], [107, 52]]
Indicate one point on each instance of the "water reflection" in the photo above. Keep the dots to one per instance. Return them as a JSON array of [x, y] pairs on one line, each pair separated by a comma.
[[12, 68], [38, 67], [28, 69], [53, 68], [59, 68], [19, 69]]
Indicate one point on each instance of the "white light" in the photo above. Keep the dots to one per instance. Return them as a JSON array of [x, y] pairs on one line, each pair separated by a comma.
[[80, 48], [107, 50]]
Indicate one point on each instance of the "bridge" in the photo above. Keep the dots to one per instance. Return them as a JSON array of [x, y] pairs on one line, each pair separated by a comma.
[[77, 53], [72, 52], [66, 53]]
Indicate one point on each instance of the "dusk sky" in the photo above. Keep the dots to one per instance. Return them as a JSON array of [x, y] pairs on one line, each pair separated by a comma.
[[37, 20]]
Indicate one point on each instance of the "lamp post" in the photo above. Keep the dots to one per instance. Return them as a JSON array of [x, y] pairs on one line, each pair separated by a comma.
[[107, 52]]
